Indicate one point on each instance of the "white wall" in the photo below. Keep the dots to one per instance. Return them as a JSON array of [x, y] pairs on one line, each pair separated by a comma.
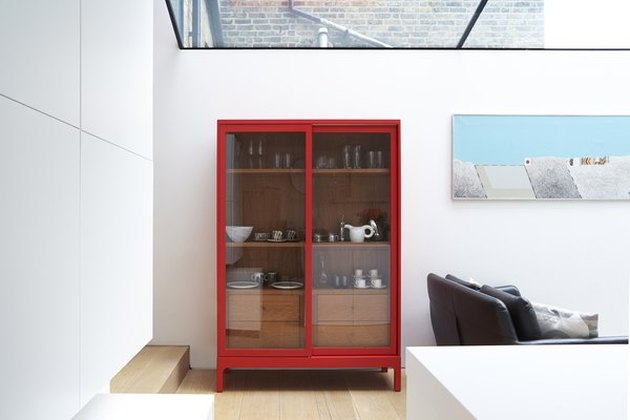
[[75, 199], [572, 254], [587, 24]]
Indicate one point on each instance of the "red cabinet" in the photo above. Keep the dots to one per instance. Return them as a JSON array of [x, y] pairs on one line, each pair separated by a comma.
[[308, 252]]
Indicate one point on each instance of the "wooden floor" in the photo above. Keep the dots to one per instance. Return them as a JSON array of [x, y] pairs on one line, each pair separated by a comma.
[[301, 394]]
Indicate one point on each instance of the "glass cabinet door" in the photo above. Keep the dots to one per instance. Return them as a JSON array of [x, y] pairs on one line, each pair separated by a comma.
[[351, 257], [264, 240]]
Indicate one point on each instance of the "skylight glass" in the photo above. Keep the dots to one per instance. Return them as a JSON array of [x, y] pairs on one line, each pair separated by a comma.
[[499, 24]]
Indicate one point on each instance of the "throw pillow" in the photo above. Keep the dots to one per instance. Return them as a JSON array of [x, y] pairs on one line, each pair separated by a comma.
[[520, 310], [470, 284], [564, 323]]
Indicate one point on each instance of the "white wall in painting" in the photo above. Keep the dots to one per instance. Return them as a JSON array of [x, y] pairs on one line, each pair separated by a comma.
[[564, 253]]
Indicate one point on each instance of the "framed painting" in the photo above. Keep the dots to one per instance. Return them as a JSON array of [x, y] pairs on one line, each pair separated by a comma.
[[538, 157]]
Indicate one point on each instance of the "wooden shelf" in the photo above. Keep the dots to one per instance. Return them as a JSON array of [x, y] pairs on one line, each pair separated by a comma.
[[348, 244], [266, 290], [375, 171], [264, 244], [265, 171], [350, 291]]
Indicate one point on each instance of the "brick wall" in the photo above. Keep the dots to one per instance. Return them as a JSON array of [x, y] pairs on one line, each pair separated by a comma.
[[400, 23]]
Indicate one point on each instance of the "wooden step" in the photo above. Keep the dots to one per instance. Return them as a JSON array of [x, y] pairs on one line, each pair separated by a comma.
[[154, 370]]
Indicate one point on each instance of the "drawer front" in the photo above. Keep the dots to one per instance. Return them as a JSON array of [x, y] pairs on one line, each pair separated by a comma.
[[281, 308], [243, 307], [333, 308], [265, 335], [368, 308], [351, 336]]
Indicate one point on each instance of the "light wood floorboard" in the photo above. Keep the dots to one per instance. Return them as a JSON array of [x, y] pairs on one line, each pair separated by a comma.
[[301, 394]]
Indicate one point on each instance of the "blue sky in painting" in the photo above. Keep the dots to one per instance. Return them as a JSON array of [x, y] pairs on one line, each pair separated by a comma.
[[508, 140]]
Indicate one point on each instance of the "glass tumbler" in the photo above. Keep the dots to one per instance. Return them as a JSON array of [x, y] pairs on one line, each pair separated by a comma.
[[346, 156], [356, 160]]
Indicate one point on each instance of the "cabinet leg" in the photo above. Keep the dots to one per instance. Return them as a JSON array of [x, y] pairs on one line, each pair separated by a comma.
[[397, 378], [220, 372], [383, 369]]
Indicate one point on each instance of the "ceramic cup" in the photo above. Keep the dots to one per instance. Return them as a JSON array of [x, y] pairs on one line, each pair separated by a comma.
[[276, 235], [376, 283], [271, 277], [261, 236], [358, 272], [373, 272], [258, 277], [360, 283]]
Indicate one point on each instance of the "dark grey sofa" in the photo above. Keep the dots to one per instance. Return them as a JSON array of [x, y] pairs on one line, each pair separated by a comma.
[[461, 315]]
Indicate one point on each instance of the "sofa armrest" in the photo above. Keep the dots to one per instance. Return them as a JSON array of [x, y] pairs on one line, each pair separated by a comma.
[[509, 288], [596, 340]]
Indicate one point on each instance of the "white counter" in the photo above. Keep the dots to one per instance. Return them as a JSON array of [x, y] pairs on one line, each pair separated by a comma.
[[148, 407], [517, 382]]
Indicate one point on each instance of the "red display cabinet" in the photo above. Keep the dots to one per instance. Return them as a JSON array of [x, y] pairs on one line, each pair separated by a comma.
[[308, 245]]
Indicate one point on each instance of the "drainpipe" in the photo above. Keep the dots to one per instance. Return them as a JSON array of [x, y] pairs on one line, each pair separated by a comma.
[[340, 28], [322, 38]]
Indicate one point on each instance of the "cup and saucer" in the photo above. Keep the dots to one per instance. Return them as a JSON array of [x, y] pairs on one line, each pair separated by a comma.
[[377, 283], [361, 283], [375, 280]]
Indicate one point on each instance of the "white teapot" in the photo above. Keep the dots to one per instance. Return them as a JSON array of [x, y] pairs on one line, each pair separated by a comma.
[[359, 233]]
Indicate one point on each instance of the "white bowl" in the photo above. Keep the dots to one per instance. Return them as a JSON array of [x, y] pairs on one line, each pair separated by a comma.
[[239, 233]]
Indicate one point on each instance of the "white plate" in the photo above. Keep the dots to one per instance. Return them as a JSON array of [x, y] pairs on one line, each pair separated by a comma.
[[287, 285], [276, 240], [382, 287], [242, 284], [365, 287]]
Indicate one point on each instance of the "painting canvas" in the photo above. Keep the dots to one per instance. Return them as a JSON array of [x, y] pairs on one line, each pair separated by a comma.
[[531, 157]]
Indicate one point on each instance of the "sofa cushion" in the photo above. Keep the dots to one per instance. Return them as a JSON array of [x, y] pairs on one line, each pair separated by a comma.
[[520, 310], [564, 323], [470, 284]]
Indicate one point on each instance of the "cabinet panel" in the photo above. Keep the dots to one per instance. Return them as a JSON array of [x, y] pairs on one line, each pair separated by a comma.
[[264, 208], [39, 264], [116, 259]]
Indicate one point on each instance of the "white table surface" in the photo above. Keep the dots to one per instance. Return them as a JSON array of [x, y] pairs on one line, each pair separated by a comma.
[[517, 382], [148, 407]]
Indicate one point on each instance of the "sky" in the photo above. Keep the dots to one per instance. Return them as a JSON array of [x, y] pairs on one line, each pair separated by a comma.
[[508, 140]]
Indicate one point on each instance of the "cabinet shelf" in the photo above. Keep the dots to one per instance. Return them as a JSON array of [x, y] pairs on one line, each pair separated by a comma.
[[264, 244], [348, 244], [265, 171], [375, 171]]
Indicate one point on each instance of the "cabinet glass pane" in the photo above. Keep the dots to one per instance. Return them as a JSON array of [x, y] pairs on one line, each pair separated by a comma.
[[265, 267], [351, 250]]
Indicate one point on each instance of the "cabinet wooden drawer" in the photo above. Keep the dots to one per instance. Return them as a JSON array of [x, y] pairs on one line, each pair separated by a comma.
[[351, 336], [265, 335], [371, 308], [282, 308], [333, 308], [243, 307]]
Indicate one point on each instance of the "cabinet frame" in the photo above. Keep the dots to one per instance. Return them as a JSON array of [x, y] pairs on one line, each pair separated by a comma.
[[309, 356]]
